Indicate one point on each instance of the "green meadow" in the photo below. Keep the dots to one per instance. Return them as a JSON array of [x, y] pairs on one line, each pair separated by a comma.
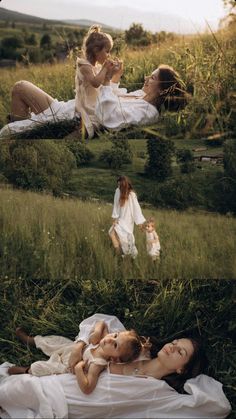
[[57, 265]]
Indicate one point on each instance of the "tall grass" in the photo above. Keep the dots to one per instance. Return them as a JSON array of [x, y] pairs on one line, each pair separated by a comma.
[[44, 237], [205, 62]]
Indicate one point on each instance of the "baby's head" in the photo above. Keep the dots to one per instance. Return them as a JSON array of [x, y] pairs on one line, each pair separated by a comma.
[[150, 225], [121, 346], [97, 44]]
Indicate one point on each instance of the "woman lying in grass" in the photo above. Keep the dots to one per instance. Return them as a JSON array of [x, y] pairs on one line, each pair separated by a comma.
[[137, 389], [175, 362], [115, 108]]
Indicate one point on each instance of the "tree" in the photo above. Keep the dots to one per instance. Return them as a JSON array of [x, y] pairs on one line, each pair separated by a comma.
[[160, 152], [46, 41], [186, 159], [119, 154], [12, 42], [38, 165], [136, 35]]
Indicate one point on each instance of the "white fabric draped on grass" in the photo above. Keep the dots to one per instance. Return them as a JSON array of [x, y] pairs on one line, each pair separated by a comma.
[[116, 396]]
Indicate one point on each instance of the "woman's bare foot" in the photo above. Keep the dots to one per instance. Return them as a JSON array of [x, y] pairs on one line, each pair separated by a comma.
[[22, 335], [17, 370]]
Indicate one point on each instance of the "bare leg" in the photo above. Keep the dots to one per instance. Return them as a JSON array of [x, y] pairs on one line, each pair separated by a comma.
[[18, 370], [115, 241], [26, 98], [22, 335]]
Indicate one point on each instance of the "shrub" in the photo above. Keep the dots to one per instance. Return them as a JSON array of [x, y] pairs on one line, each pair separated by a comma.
[[136, 35], [160, 152], [119, 154], [82, 154], [186, 159], [38, 165]]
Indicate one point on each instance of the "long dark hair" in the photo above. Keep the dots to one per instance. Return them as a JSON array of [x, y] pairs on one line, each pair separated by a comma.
[[173, 95], [125, 187], [195, 366]]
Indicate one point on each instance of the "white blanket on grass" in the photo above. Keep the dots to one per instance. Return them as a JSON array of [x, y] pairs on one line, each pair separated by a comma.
[[116, 396]]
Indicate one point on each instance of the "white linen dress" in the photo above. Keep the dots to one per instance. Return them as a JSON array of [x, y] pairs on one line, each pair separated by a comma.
[[126, 216], [86, 95]]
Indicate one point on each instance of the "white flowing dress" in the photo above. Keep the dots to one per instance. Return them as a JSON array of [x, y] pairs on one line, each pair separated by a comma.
[[113, 108], [126, 216], [115, 396]]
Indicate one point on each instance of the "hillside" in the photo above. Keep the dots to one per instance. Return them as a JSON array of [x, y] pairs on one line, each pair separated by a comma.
[[6, 14], [13, 16]]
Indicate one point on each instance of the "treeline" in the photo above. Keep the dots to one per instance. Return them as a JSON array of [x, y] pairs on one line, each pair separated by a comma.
[[47, 165], [48, 43]]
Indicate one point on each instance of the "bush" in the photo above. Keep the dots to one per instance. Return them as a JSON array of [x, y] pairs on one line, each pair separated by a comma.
[[160, 152], [136, 35], [119, 154], [186, 159], [37, 165], [179, 193], [82, 154]]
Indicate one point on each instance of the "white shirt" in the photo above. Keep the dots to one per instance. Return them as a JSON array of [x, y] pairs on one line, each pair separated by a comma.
[[115, 111]]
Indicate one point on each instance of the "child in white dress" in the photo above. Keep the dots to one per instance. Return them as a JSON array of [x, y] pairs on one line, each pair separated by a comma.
[[91, 359], [91, 71], [152, 240]]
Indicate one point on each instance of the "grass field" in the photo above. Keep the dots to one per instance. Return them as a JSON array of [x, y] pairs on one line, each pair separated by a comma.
[[57, 265], [54, 238]]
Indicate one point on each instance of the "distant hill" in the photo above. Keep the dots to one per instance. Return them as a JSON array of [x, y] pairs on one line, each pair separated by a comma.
[[6, 14], [87, 23]]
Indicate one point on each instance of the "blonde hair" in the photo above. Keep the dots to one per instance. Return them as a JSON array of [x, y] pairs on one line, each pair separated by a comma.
[[95, 41], [151, 221]]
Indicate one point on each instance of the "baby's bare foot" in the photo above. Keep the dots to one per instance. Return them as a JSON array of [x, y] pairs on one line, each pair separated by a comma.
[[22, 335]]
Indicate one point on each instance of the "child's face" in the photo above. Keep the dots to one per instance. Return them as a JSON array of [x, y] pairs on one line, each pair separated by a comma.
[[149, 227], [103, 55], [114, 344]]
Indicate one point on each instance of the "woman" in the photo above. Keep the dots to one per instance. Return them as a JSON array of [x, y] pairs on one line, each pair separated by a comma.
[[126, 212], [115, 108], [115, 395]]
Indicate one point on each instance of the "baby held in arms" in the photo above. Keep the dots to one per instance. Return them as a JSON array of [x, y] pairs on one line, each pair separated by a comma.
[[86, 361]]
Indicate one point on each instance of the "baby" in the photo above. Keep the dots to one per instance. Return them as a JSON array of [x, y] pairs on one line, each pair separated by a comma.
[[152, 240], [91, 359]]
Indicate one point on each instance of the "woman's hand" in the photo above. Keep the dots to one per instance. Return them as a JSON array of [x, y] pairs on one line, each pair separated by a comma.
[[118, 71]]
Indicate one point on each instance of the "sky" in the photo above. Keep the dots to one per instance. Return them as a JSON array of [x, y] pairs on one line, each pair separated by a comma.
[[121, 13]]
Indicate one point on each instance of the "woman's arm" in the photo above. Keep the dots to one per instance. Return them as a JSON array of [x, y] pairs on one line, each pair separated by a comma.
[[100, 330], [87, 380]]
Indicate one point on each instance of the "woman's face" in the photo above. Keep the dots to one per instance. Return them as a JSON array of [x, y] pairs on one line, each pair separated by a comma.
[[175, 355], [152, 84]]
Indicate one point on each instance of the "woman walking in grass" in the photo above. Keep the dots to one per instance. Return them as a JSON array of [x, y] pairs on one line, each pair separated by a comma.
[[126, 212]]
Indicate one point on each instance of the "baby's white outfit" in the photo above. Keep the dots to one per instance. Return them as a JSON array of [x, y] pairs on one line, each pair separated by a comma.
[[59, 350], [86, 96], [153, 249]]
